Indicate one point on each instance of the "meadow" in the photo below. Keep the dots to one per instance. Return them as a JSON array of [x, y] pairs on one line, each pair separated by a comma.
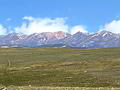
[[60, 67]]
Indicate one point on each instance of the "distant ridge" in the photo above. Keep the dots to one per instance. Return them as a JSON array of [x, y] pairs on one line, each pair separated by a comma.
[[103, 39]]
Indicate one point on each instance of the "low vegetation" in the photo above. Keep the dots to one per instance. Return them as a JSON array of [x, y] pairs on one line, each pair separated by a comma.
[[52, 67], [60, 88]]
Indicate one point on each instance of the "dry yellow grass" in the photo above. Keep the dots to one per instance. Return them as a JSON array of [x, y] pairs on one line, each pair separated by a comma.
[[60, 88], [60, 68]]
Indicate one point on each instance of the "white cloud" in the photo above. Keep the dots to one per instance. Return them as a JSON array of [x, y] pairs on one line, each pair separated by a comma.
[[38, 25], [8, 19], [113, 26], [78, 28], [3, 30], [30, 18]]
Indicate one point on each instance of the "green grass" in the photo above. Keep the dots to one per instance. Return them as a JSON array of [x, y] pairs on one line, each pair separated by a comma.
[[60, 67]]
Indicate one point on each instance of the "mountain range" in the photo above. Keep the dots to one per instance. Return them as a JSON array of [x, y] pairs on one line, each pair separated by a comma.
[[103, 39]]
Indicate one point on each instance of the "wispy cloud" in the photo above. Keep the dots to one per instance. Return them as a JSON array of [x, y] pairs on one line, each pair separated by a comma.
[[29, 18], [8, 19], [3, 30], [113, 26], [78, 28]]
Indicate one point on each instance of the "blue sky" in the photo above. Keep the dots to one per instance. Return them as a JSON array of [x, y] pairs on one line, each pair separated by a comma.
[[88, 13]]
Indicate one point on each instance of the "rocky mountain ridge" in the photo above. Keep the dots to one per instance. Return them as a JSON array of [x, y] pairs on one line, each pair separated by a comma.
[[103, 39]]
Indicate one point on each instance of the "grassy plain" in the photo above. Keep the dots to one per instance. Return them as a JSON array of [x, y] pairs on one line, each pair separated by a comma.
[[59, 67], [61, 88]]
